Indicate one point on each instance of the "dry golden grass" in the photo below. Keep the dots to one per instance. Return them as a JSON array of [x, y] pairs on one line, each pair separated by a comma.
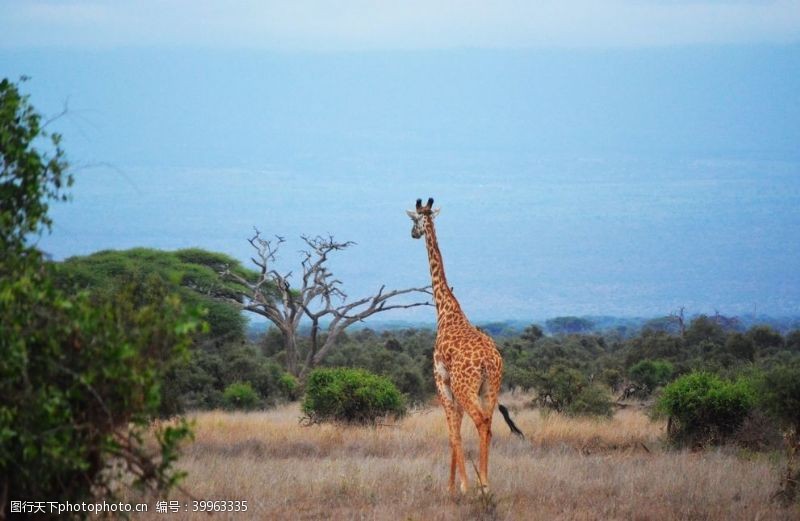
[[566, 469]]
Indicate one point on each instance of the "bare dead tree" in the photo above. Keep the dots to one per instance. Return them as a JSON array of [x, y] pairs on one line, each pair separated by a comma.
[[315, 294], [678, 317]]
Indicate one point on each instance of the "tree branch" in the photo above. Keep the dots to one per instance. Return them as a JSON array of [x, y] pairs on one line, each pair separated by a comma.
[[318, 296]]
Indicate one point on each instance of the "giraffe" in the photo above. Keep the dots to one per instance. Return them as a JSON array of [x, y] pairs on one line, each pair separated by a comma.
[[467, 367]]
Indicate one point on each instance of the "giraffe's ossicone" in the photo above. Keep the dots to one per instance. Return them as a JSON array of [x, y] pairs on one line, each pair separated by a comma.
[[467, 366]]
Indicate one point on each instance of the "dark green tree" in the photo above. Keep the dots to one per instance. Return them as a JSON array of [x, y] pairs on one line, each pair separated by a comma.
[[793, 341], [704, 329], [651, 374], [80, 374], [765, 338], [740, 346], [779, 393]]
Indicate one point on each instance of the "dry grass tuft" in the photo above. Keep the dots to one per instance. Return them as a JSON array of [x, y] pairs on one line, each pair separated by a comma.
[[566, 469]]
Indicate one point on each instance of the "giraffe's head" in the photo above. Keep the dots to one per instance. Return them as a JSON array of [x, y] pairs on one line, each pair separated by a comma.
[[420, 217]]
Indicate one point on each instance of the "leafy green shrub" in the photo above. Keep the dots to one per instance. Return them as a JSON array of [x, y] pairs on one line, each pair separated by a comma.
[[519, 377], [559, 387], [288, 386], [651, 373], [612, 378], [80, 380], [240, 395], [704, 408], [592, 400], [350, 395], [779, 393], [410, 382]]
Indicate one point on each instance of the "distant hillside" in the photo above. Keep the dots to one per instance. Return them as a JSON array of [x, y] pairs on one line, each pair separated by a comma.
[[624, 326]]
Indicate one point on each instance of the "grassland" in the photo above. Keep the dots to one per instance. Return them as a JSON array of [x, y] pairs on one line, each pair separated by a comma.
[[565, 469]]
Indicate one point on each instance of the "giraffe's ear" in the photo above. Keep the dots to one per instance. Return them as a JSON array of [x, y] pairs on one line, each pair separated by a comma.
[[435, 212], [412, 214]]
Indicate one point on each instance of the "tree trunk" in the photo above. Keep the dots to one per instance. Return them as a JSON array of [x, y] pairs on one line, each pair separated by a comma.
[[290, 347]]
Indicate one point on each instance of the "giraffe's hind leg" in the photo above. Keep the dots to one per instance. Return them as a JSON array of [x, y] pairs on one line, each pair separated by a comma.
[[454, 414], [481, 408]]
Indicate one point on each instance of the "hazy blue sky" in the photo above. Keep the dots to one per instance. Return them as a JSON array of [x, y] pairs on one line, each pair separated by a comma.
[[590, 157], [414, 24]]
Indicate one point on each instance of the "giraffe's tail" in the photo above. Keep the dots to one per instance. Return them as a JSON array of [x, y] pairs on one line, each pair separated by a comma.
[[509, 421]]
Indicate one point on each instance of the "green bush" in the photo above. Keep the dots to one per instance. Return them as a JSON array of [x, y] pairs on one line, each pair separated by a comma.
[[779, 393], [591, 401], [704, 408], [351, 396], [559, 387], [240, 395], [612, 378], [80, 380], [288, 386], [651, 373]]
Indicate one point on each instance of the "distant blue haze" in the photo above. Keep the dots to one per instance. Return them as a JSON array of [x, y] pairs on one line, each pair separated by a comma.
[[571, 182]]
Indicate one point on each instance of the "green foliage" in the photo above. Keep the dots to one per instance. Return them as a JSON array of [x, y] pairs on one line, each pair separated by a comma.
[[655, 345], [612, 378], [201, 382], [704, 330], [740, 346], [779, 394], [651, 373], [764, 337], [704, 408], [793, 341], [559, 387], [80, 380], [406, 359], [592, 400], [29, 177], [351, 396], [289, 386], [193, 274], [240, 395]]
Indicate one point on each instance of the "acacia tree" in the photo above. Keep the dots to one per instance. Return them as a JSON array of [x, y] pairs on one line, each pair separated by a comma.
[[315, 295]]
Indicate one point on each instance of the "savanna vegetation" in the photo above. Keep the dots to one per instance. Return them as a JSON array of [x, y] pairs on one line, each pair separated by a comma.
[[101, 354]]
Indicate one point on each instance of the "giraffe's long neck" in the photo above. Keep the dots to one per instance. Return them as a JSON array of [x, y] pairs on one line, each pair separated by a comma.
[[447, 307]]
